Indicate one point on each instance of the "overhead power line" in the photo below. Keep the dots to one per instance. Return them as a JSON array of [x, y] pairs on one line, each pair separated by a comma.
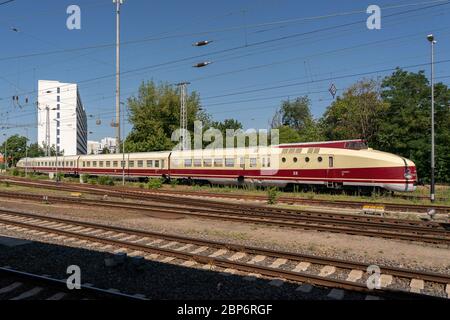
[[148, 39], [6, 2], [247, 46], [325, 79]]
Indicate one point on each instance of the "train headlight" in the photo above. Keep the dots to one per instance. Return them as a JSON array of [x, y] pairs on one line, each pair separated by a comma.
[[408, 175]]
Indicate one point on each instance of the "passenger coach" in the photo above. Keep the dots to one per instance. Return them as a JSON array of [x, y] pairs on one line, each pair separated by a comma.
[[334, 165]]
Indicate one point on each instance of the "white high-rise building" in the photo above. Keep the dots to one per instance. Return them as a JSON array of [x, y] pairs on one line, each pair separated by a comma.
[[95, 147], [62, 121], [110, 143]]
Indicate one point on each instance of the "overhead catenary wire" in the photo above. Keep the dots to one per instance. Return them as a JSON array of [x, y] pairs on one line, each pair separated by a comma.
[[260, 43]]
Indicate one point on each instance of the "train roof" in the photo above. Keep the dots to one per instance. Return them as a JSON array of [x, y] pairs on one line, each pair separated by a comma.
[[342, 144]]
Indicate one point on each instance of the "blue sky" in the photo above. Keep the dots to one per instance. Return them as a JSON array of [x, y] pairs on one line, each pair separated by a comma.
[[263, 52]]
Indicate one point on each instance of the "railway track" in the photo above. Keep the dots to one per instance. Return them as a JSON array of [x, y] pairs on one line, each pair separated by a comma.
[[310, 220], [18, 285], [283, 199], [245, 261]]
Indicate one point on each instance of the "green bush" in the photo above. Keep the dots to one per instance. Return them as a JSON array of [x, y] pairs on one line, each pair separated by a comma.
[[58, 177], [272, 195], [92, 181], [85, 178], [105, 181], [155, 184], [15, 172]]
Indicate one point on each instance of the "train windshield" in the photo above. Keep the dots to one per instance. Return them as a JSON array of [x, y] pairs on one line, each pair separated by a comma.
[[356, 145]]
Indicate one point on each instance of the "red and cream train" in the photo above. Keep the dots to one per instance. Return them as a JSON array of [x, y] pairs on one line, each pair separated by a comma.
[[337, 164]]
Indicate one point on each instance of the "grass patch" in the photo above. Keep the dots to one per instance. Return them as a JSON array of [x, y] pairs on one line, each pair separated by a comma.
[[155, 184], [105, 181], [272, 195]]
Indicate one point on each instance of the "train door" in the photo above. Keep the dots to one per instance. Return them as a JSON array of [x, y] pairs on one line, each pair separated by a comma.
[[331, 172]]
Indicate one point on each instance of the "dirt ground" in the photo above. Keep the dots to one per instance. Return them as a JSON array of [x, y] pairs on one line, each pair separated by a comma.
[[370, 250]]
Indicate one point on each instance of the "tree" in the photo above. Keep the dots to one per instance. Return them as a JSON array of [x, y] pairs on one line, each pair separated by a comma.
[[155, 115], [405, 127], [227, 124], [35, 151], [15, 149], [288, 135], [106, 150], [296, 114], [356, 114], [296, 123]]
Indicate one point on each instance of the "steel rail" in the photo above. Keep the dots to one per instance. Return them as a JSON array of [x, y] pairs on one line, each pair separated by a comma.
[[298, 214], [429, 276], [266, 271], [289, 200], [50, 283], [309, 223]]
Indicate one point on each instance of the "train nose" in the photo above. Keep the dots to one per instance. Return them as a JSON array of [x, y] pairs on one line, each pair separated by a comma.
[[410, 176]]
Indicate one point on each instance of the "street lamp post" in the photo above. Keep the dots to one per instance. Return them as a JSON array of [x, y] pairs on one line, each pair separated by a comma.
[[26, 153], [118, 4], [5, 156], [432, 40], [123, 146]]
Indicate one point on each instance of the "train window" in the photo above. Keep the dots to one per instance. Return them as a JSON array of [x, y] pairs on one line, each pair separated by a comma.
[[156, 163], [253, 163], [94, 164], [100, 164], [197, 163], [295, 159], [218, 162], [83, 164], [88, 164], [331, 162], [242, 162], [229, 162], [123, 164], [207, 163], [356, 145], [307, 159], [188, 163], [320, 159], [115, 164], [130, 164], [108, 164], [263, 162], [162, 164], [149, 163], [140, 163], [284, 160]]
